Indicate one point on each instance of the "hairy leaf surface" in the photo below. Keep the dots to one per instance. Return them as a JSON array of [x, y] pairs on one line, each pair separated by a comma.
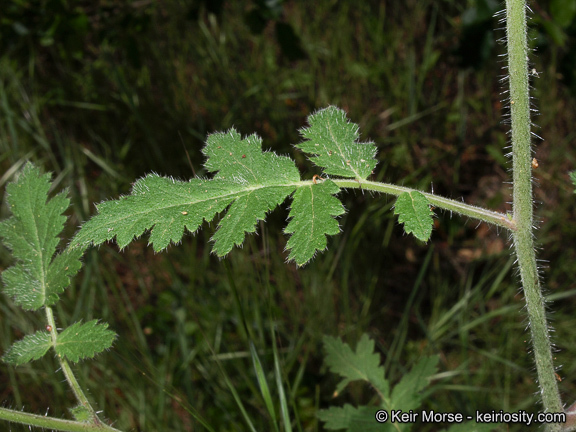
[[80, 341], [248, 180], [29, 348], [313, 210], [413, 210], [31, 234], [333, 142], [247, 184]]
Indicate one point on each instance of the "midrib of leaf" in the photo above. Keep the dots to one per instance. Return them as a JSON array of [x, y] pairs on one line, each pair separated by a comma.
[[236, 190], [168, 208], [313, 209], [229, 196], [42, 261], [341, 149]]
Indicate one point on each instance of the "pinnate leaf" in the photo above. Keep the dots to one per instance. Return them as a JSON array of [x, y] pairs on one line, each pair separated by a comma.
[[31, 347], [31, 234], [364, 364], [80, 341], [247, 184], [313, 210], [248, 180], [413, 210], [333, 142]]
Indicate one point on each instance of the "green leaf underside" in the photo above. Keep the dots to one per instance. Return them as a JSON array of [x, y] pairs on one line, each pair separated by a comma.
[[333, 141], [413, 210], [352, 419], [80, 341], [31, 347], [313, 210], [364, 364], [31, 234], [573, 178], [248, 180]]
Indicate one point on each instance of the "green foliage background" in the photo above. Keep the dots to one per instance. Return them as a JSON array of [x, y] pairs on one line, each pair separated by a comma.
[[103, 93]]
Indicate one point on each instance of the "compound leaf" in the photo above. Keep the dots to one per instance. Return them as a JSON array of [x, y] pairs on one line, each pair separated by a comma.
[[413, 210], [313, 210], [333, 142], [248, 180], [29, 348], [364, 364], [31, 233], [247, 184], [80, 341]]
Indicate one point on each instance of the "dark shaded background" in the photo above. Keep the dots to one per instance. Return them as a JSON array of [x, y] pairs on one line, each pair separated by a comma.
[[102, 92]]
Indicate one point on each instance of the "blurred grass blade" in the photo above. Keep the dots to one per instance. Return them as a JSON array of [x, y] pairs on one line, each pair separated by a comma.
[[15, 167], [281, 395], [263, 384], [237, 399], [101, 163]]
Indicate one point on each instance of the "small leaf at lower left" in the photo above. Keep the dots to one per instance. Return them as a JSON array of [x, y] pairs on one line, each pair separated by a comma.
[[31, 347], [80, 341], [413, 210]]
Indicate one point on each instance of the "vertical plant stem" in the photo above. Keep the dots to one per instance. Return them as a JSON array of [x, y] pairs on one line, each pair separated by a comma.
[[522, 201], [67, 370]]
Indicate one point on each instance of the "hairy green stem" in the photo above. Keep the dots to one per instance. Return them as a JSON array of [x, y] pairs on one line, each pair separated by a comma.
[[52, 423], [523, 205], [68, 373], [448, 204]]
